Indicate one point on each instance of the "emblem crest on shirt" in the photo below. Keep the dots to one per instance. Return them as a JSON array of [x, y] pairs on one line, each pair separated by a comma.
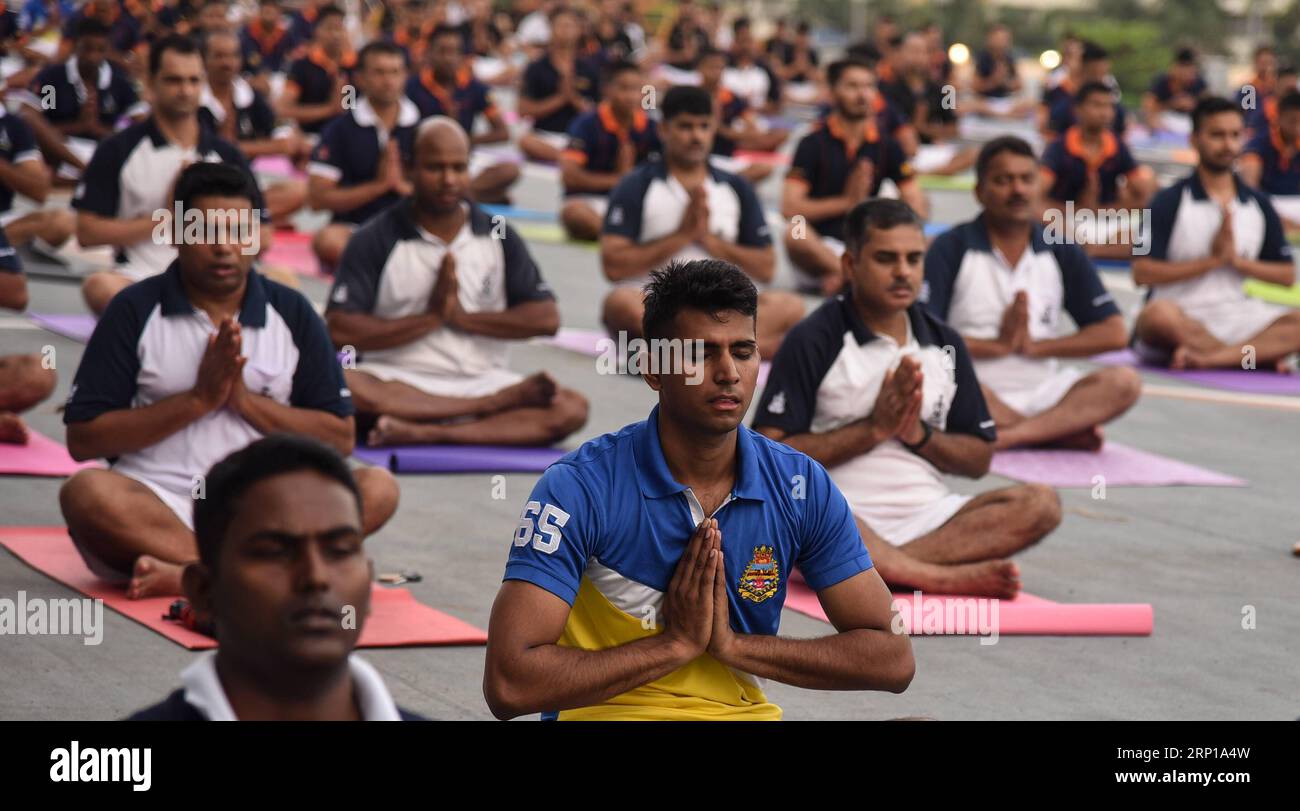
[[761, 577]]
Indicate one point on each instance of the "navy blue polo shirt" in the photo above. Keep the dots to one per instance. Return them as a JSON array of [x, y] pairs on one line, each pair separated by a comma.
[[822, 161], [605, 527], [67, 92], [986, 62], [730, 108], [350, 149], [302, 22], [254, 117], [595, 138], [542, 80], [1164, 89], [266, 50], [148, 344], [1280, 169], [314, 75], [1060, 116], [465, 100], [17, 145], [1066, 166]]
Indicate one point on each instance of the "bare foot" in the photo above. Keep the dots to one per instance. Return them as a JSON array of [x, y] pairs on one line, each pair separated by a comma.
[[391, 430], [987, 578], [1089, 439], [12, 429], [151, 577], [536, 391]]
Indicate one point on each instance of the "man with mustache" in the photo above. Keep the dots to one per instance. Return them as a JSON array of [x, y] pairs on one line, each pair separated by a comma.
[[283, 578], [884, 395], [1210, 233], [649, 568], [998, 282]]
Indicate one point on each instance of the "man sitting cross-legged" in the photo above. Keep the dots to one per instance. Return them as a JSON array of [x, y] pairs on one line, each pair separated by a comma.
[[281, 563], [884, 395], [430, 293], [184, 368], [998, 282]]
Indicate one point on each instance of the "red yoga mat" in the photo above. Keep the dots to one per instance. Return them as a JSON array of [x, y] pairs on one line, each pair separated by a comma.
[[396, 618], [41, 456], [292, 249], [1026, 615]]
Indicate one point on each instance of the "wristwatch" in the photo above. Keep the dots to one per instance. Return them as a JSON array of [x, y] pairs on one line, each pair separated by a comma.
[[929, 432]]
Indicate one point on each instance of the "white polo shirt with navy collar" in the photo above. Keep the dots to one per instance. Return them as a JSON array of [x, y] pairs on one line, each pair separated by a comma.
[[130, 175], [649, 202], [970, 284], [829, 372], [1184, 222], [389, 270], [148, 345]]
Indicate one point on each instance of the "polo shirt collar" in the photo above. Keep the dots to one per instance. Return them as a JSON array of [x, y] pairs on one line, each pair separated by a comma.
[[657, 481], [610, 123], [1198, 191], [252, 312], [922, 331], [835, 127], [1074, 146], [480, 221], [204, 692], [241, 94], [103, 78], [408, 115], [207, 138], [978, 236]]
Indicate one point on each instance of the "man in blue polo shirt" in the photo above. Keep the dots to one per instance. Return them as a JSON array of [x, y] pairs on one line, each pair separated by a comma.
[[431, 291], [1269, 161], [604, 145], [267, 41], [649, 568], [184, 368], [1211, 232], [1168, 103], [127, 183], [313, 93], [446, 85], [842, 162], [998, 282], [558, 87], [681, 207], [1059, 101], [884, 395], [359, 167]]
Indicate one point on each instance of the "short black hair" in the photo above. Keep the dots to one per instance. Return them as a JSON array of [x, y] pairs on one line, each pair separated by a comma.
[[837, 68], [232, 477], [1185, 56], [686, 100], [324, 13], [612, 70], [882, 213], [1092, 52], [176, 43], [740, 24], [90, 27], [379, 47], [1089, 88], [1289, 101], [1003, 143], [208, 179], [1211, 105], [707, 285]]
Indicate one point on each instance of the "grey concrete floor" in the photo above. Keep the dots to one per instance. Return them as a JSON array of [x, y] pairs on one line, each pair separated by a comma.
[[1198, 555]]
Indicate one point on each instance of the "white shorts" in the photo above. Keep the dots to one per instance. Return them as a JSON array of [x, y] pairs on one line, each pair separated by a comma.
[[1032, 400], [490, 382], [181, 504], [899, 529], [480, 161], [802, 92], [597, 203], [8, 217], [1233, 322], [555, 140]]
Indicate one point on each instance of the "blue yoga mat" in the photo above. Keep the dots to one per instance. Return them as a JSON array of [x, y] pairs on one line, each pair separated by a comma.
[[460, 458]]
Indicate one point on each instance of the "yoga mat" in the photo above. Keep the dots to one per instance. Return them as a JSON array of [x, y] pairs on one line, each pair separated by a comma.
[[588, 342], [1258, 381], [529, 214], [964, 182], [551, 234], [1121, 265], [1276, 293], [396, 618], [1021, 616], [766, 158], [1120, 465], [41, 456], [460, 458], [276, 165], [292, 249], [934, 229], [76, 326]]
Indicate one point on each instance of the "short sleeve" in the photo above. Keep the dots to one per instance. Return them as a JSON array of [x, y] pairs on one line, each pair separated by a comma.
[[970, 412], [556, 534], [1164, 209], [1275, 247], [534, 84], [831, 549], [356, 280], [942, 262], [804, 164], [524, 282], [99, 191], [626, 202], [1086, 299], [790, 394], [106, 378], [327, 159], [318, 382], [754, 231]]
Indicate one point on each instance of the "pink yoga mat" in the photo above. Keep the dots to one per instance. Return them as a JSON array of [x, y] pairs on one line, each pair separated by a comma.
[[1257, 381], [589, 342], [77, 326], [278, 165], [1119, 465], [41, 456], [1024, 615], [292, 249], [396, 618]]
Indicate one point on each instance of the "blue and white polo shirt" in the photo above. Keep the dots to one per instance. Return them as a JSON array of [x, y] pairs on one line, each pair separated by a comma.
[[148, 345], [17, 145], [350, 148]]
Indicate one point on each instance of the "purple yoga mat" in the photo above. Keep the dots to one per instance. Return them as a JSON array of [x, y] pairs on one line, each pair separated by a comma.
[[1120, 465], [1258, 381], [460, 458], [593, 343], [76, 326]]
